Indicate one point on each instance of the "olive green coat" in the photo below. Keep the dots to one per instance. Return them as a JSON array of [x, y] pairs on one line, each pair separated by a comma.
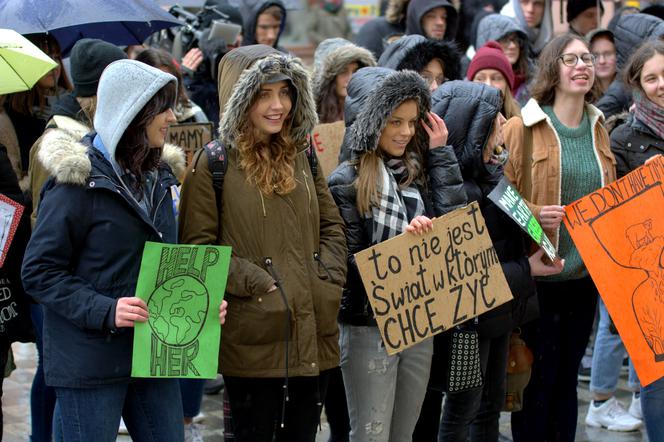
[[274, 238]]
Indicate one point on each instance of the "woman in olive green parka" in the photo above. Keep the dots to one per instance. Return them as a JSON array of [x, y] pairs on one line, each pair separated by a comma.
[[288, 264]]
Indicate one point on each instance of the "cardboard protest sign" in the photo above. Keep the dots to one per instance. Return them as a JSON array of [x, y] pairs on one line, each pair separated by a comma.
[[10, 215], [619, 232], [421, 285], [190, 137], [183, 286], [327, 140], [505, 196]]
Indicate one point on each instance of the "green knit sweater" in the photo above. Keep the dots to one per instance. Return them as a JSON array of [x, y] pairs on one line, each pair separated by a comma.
[[581, 175]]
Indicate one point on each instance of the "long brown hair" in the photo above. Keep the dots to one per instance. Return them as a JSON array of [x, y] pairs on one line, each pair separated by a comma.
[[24, 102], [134, 152], [510, 106], [632, 71], [547, 76], [270, 165], [328, 105]]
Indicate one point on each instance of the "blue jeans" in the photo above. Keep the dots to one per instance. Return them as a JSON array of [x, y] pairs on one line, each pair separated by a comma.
[[42, 397], [191, 391], [608, 355], [652, 405], [384, 393], [151, 408]]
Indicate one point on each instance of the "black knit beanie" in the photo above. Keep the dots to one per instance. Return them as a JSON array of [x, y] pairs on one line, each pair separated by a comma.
[[576, 7], [89, 58]]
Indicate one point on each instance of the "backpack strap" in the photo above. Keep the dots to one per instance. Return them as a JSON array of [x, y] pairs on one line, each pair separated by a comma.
[[218, 164], [311, 156]]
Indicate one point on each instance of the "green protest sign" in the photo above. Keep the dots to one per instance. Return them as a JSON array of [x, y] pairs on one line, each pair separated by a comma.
[[183, 286], [505, 196]]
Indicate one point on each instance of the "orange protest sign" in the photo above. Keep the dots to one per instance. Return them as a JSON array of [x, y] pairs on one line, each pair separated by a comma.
[[619, 232], [327, 140]]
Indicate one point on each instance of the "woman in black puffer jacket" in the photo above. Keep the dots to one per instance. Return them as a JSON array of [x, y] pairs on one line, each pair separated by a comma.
[[472, 114], [387, 144]]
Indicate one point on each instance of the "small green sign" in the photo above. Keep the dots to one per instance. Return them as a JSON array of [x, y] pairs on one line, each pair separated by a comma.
[[505, 196], [183, 286]]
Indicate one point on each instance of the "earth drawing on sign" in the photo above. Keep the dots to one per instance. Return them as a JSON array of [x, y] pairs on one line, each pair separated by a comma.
[[170, 321]]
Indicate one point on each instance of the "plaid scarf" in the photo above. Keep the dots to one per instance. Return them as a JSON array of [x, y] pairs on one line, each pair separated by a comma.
[[649, 113], [396, 206]]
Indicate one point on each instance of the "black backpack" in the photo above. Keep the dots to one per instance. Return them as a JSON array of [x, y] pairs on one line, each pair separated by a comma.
[[218, 163]]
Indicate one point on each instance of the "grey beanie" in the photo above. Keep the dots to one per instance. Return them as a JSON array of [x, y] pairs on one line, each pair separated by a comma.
[[89, 58], [125, 87]]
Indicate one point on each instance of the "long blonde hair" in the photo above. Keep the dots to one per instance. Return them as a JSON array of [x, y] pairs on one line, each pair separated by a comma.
[[270, 166], [368, 177]]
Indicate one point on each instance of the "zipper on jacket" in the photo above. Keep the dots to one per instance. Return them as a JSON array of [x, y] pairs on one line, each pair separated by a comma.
[[320, 261], [277, 282], [306, 184], [262, 204]]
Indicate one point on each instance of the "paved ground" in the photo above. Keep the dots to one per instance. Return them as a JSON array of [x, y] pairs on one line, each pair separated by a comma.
[[16, 409]]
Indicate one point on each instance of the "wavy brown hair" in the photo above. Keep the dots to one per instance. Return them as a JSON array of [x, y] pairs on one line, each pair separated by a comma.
[[270, 166], [134, 152], [547, 76], [328, 105]]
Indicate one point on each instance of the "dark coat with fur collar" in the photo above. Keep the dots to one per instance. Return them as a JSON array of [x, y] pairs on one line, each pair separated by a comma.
[[376, 93], [414, 52], [85, 253]]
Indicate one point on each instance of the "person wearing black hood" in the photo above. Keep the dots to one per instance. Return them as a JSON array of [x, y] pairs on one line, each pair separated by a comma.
[[436, 61], [434, 19], [472, 113], [264, 21], [377, 33]]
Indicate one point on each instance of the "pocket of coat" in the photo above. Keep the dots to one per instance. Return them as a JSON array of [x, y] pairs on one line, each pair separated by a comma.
[[259, 319], [327, 299]]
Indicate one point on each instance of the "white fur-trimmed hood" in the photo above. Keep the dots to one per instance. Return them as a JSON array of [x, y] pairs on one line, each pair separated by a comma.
[[65, 157]]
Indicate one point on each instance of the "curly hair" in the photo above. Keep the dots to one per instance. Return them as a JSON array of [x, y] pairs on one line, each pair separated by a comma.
[[134, 152], [270, 166]]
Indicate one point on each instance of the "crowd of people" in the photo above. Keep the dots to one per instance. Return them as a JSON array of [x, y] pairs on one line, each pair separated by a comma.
[[439, 102]]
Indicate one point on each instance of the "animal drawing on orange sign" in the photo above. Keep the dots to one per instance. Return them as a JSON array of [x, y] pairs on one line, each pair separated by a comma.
[[648, 297]]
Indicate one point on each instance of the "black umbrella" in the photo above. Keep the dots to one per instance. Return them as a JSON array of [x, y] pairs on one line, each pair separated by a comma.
[[121, 22]]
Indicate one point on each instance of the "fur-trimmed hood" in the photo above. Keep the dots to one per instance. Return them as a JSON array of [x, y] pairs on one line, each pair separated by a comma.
[[417, 9], [235, 107], [66, 158], [331, 58], [414, 52], [469, 110], [377, 92]]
